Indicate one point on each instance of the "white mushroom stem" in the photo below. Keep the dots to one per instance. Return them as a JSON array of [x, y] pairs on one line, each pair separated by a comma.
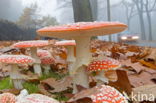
[[83, 57], [36, 65], [16, 77], [101, 77], [70, 57], [46, 68]]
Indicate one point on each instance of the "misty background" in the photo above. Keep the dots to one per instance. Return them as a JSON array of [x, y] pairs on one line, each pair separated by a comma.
[[19, 19]]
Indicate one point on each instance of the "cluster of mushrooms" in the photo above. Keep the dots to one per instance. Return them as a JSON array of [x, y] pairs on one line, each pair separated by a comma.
[[79, 59]]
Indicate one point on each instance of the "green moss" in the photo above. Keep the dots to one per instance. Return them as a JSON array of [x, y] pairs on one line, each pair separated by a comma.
[[6, 84], [60, 97], [52, 75], [31, 87]]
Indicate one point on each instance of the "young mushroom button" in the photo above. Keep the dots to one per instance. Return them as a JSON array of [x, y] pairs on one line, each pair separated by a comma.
[[14, 60], [46, 59], [33, 49], [103, 65], [82, 32]]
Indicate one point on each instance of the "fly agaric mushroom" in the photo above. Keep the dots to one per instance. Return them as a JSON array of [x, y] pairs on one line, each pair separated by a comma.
[[108, 94], [82, 32], [33, 49], [7, 98], [70, 45], [14, 60], [46, 59], [37, 98], [101, 65]]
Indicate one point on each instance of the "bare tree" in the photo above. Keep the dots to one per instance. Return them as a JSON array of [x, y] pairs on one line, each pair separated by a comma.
[[129, 11], [149, 7], [140, 9]]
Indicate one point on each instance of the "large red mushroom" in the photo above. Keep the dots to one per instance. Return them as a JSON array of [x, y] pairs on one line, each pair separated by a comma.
[[14, 60], [33, 49], [82, 32]]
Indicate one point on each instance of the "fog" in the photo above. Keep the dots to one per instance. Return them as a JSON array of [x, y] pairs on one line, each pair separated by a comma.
[[62, 10]]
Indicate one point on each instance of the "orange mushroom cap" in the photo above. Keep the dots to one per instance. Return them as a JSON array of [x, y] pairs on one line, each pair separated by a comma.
[[70, 31], [108, 94], [7, 98], [33, 43], [104, 64], [16, 59], [66, 43]]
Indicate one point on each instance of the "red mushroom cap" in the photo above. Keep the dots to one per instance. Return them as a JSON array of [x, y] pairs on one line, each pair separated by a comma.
[[45, 57], [16, 59], [7, 98], [108, 94], [66, 43], [104, 64], [33, 43], [38, 98], [70, 31], [43, 53]]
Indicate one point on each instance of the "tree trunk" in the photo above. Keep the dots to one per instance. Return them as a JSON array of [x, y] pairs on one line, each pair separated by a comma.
[[140, 12], [109, 16], [82, 10], [94, 8], [149, 20]]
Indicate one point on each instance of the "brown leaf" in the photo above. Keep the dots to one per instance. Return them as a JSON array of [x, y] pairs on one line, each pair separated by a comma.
[[58, 85], [137, 67], [44, 91], [80, 97], [152, 55], [148, 64], [143, 78], [13, 91], [123, 83], [111, 75]]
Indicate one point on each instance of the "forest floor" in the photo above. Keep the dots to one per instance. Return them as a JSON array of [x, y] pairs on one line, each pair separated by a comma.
[[137, 74]]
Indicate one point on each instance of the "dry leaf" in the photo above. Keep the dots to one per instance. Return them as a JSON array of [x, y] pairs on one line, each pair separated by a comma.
[[143, 78], [58, 85], [123, 83], [148, 64]]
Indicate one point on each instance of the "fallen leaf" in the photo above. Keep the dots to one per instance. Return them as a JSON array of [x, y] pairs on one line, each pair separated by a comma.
[[123, 83], [143, 78], [148, 64], [58, 85]]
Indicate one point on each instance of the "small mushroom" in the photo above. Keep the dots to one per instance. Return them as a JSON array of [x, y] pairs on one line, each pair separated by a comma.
[[70, 45], [37, 98], [46, 59], [7, 98], [108, 94], [102, 65], [33, 49], [14, 60]]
